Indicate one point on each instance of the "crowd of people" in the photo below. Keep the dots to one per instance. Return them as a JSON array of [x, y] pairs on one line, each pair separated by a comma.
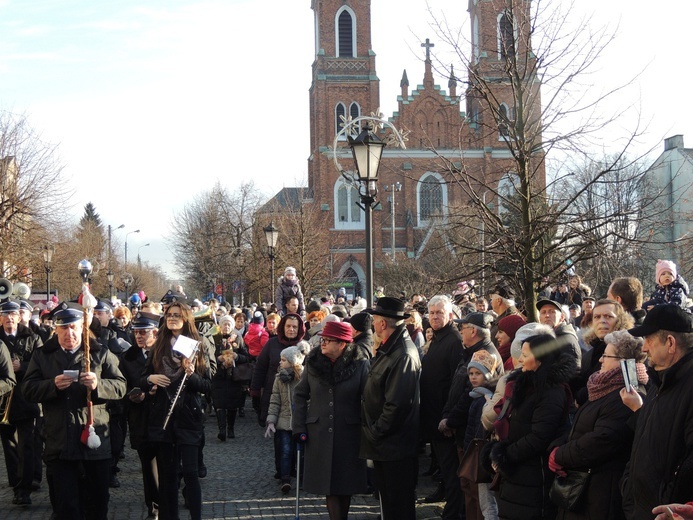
[[582, 415]]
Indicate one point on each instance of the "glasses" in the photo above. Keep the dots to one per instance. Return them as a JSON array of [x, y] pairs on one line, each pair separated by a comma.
[[610, 357], [141, 332], [325, 341], [174, 316]]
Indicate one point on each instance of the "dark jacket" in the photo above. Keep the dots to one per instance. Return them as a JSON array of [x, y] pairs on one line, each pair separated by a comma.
[[327, 406], [227, 393], [676, 293], [186, 426], [365, 342], [566, 331], [7, 377], [132, 366], [65, 411], [268, 362], [286, 290], [660, 470], [600, 441], [437, 370], [540, 403], [22, 347], [390, 411]]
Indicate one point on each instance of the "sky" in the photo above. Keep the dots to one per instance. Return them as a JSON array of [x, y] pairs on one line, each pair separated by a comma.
[[150, 103]]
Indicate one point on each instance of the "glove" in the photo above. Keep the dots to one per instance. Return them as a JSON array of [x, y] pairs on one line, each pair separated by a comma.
[[256, 404], [554, 466], [300, 438], [270, 431]]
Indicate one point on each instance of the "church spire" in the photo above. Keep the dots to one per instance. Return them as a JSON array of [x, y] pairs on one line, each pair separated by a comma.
[[452, 83], [404, 83], [428, 74]]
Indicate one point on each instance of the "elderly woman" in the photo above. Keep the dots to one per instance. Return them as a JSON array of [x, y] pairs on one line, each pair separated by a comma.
[[327, 408], [179, 442], [601, 439], [540, 403]]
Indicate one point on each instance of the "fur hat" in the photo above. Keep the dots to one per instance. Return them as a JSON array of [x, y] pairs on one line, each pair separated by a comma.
[[664, 265], [485, 362], [524, 333], [293, 355], [336, 330]]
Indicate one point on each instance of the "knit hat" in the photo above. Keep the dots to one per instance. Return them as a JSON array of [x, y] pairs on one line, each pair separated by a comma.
[[258, 318], [304, 347], [336, 330], [664, 265], [485, 362], [361, 322], [524, 333], [293, 355], [510, 324], [290, 270], [226, 318]]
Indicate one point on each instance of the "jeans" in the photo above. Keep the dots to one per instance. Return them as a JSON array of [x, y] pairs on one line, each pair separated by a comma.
[[286, 451], [487, 501]]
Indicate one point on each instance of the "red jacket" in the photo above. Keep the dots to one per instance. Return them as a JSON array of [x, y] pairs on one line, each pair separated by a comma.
[[255, 338]]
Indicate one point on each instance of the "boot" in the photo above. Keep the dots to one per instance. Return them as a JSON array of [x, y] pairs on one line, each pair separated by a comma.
[[231, 422], [221, 423]]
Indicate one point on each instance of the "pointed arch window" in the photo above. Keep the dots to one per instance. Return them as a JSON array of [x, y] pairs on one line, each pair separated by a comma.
[[506, 36], [475, 39], [503, 120], [354, 112], [507, 189], [339, 113], [348, 214], [345, 33], [431, 197]]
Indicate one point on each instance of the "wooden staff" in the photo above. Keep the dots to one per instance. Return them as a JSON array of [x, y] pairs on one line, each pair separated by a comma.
[[89, 436]]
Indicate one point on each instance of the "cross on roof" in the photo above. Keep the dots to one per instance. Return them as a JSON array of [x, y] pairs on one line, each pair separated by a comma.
[[428, 46]]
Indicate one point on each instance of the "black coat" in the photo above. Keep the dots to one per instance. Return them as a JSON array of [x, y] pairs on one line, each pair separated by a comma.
[[227, 393], [327, 406], [600, 441], [23, 346], [660, 470], [540, 403], [65, 411], [437, 370], [132, 366], [390, 411], [7, 377]]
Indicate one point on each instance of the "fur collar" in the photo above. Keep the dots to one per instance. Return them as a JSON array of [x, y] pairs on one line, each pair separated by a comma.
[[341, 370]]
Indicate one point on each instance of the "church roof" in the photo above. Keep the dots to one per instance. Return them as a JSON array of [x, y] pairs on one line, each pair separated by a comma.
[[286, 198]]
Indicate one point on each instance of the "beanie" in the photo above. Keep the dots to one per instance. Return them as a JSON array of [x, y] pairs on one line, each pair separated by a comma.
[[664, 265], [510, 324], [290, 270], [226, 318], [361, 321], [524, 333], [485, 362], [293, 355], [258, 318]]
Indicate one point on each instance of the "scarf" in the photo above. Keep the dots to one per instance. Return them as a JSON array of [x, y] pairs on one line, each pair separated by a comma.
[[602, 383], [286, 375]]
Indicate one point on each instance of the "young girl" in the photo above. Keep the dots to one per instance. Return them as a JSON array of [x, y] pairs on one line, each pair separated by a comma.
[[670, 288], [280, 412], [479, 500]]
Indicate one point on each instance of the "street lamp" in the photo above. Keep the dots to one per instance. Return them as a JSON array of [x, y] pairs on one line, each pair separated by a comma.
[[47, 258], [127, 280], [126, 246], [367, 149], [271, 235], [109, 277], [139, 260]]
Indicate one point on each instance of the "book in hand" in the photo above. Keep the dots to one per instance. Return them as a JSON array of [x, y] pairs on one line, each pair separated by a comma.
[[630, 374]]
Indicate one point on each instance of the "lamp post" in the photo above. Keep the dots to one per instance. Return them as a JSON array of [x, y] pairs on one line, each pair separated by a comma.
[[271, 235], [109, 277], [139, 260], [393, 188], [126, 246], [367, 150], [47, 258]]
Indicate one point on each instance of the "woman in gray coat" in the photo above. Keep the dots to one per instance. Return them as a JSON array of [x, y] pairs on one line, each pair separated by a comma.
[[327, 408]]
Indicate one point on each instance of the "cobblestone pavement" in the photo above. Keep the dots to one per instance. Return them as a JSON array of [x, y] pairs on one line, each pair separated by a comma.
[[239, 485]]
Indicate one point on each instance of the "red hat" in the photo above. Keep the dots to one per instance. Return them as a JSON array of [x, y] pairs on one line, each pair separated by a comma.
[[336, 330], [510, 324]]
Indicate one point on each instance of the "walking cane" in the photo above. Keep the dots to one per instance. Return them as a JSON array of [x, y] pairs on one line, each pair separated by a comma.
[[302, 439]]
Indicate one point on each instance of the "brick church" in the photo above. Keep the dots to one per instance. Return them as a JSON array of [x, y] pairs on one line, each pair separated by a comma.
[[444, 126]]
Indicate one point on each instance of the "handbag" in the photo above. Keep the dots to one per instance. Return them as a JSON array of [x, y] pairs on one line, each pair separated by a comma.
[[568, 492], [242, 372], [470, 468]]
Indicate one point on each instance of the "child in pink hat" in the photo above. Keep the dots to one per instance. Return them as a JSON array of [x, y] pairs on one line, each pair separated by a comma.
[[670, 288]]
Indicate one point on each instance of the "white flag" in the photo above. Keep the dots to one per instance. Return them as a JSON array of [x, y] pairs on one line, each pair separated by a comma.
[[185, 346]]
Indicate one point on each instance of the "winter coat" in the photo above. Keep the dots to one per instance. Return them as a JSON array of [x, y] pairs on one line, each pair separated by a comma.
[[660, 470], [23, 347], [390, 411], [327, 407], [365, 342], [65, 411], [186, 426], [676, 293], [227, 393], [268, 362], [474, 429], [280, 411], [540, 403], [255, 339], [437, 370], [567, 333], [7, 378], [132, 366], [600, 442], [286, 289]]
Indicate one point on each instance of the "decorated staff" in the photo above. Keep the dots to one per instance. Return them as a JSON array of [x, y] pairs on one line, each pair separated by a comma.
[[89, 436]]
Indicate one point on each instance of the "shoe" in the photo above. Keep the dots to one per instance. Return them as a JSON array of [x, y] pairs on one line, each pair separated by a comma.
[[35, 485], [232, 434], [221, 436], [241, 412], [23, 500], [201, 472], [185, 499], [437, 496], [114, 483], [153, 515], [285, 487]]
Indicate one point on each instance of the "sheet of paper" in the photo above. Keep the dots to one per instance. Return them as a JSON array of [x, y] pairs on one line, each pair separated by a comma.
[[185, 346]]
